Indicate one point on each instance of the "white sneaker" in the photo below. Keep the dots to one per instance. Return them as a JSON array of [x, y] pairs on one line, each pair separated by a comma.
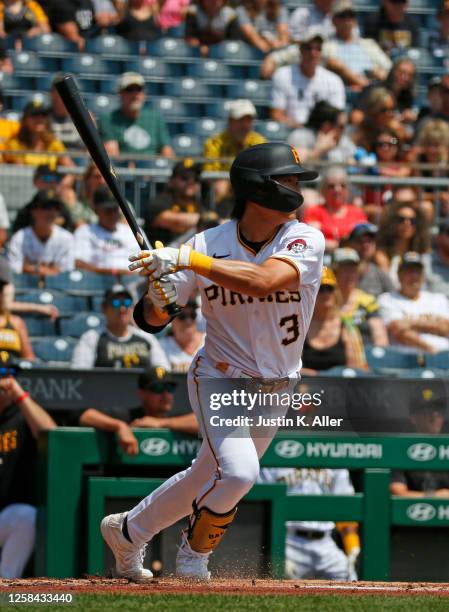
[[128, 557], [191, 564]]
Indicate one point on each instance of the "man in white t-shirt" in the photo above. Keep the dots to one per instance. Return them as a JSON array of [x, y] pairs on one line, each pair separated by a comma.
[[417, 320], [297, 88], [104, 247]]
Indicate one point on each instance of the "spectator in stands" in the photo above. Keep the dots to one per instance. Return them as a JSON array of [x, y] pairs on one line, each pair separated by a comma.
[[155, 389], [170, 13], [75, 20], [401, 81], [417, 320], [238, 135], [427, 415], [335, 217], [356, 60], [119, 344], [318, 14], [438, 274], [181, 345], [21, 422], [91, 180], [35, 135], [439, 39], [4, 222], [14, 339], [323, 138], [412, 197], [131, 128], [6, 64], [209, 22], [372, 279], [402, 229], [22, 18], [104, 247], [263, 24], [297, 88], [177, 209], [43, 248], [107, 12], [357, 308], [138, 22], [392, 27], [330, 342], [434, 101], [61, 122]]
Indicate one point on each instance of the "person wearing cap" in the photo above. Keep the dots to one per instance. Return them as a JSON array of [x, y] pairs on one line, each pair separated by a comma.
[[21, 422], [103, 247], [238, 135], [372, 279], [438, 43], [74, 19], [263, 24], [176, 210], [417, 320], [391, 26], [43, 248], [155, 393], [330, 342], [297, 88], [336, 216], [209, 23], [118, 344], [185, 339], [357, 308], [132, 128], [427, 417], [35, 135]]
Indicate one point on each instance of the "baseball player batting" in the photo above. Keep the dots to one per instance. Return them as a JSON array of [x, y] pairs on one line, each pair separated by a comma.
[[258, 276]]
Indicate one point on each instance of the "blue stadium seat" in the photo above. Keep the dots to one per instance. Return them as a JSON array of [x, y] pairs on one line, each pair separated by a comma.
[[257, 91], [172, 107], [438, 360], [389, 357], [186, 145], [150, 67], [272, 130], [97, 303], [65, 303], [218, 110], [203, 128], [235, 50], [176, 32], [346, 372], [87, 64], [78, 324], [29, 62], [55, 350], [423, 373], [188, 88], [50, 43], [20, 100], [81, 282], [9, 81], [112, 45], [210, 69], [23, 282], [172, 48], [100, 103], [39, 325]]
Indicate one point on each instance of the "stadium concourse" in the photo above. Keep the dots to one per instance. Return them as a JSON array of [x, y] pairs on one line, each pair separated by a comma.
[[359, 89]]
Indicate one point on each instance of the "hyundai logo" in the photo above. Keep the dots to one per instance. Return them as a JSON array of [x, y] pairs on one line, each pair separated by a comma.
[[421, 452], [421, 512], [155, 446], [289, 449]]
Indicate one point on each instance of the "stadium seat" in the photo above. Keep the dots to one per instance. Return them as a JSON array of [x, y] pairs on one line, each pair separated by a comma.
[[150, 67], [235, 50], [20, 100], [39, 325], [188, 88], [172, 107], [23, 282], [176, 32], [83, 321], [218, 110], [65, 303], [257, 91], [272, 130], [8, 81], [87, 64], [81, 282], [423, 373], [185, 145], [438, 360], [172, 48], [346, 372], [389, 357], [28, 62], [49, 43], [100, 103], [210, 69], [203, 128], [54, 350], [112, 45]]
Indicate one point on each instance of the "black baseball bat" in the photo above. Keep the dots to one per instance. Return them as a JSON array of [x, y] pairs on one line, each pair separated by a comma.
[[76, 107]]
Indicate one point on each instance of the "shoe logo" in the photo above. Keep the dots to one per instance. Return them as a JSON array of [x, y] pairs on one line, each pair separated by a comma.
[[221, 256]]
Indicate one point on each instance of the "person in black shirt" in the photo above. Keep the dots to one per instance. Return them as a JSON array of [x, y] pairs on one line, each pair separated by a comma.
[[155, 393], [21, 421], [391, 26], [427, 418], [73, 19]]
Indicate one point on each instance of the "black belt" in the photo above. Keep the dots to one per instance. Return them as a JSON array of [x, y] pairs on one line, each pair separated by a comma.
[[309, 534]]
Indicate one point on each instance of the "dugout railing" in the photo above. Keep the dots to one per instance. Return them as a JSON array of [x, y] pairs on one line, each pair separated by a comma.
[[71, 496]]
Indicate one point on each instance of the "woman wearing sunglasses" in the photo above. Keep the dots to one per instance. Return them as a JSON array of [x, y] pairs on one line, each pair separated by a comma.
[[184, 341]]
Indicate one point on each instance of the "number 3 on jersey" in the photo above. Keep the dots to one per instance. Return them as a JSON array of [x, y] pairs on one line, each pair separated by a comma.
[[291, 325]]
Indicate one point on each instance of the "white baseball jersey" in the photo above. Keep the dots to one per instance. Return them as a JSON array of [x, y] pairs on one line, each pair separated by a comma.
[[100, 247], [58, 249], [263, 337], [306, 481]]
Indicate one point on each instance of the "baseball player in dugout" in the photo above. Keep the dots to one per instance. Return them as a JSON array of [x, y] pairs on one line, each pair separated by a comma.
[[258, 276]]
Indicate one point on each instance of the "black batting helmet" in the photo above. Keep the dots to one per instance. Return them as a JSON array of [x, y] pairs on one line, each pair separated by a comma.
[[253, 176]]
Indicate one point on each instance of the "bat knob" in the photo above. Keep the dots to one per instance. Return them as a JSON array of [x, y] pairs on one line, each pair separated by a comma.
[[172, 309]]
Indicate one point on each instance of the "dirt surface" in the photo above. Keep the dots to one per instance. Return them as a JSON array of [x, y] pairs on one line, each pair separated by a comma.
[[95, 584]]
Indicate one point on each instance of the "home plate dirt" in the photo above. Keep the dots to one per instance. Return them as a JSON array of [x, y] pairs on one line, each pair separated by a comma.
[[95, 584]]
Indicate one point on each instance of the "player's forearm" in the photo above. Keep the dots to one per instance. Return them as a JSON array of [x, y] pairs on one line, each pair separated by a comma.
[[244, 277], [185, 423]]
